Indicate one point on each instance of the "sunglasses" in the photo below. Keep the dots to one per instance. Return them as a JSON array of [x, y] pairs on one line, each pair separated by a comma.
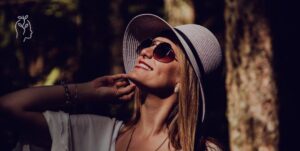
[[163, 51]]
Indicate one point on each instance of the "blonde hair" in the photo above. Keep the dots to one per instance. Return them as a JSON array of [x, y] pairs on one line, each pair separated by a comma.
[[182, 119], [188, 103]]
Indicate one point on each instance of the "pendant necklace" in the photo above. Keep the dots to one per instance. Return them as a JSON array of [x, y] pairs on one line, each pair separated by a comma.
[[131, 139]]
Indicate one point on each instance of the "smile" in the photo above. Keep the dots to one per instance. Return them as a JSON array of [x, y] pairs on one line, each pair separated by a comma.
[[143, 65]]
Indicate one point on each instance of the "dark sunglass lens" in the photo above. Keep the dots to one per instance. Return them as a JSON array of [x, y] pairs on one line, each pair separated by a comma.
[[144, 44], [163, 52]]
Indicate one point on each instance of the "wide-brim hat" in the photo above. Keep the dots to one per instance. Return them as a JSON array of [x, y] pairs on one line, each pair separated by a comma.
[[199, 44]]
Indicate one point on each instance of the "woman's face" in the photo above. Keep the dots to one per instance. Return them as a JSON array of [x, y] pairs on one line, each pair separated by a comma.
[[153, 75]]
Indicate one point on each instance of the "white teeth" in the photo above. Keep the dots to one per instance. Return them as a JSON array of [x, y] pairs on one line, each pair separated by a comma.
[[144, 66]]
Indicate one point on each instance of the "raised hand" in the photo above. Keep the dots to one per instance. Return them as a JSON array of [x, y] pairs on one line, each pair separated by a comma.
[[112, 87]]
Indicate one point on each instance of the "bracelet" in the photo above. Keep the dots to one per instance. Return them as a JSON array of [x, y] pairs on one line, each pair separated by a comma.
[[67, 92], [70, 103]]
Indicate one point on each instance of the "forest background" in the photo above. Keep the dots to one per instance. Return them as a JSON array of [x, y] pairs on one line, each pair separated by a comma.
[[252, 97]]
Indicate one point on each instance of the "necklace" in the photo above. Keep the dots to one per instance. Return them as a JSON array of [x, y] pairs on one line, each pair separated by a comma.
[[131, 139]]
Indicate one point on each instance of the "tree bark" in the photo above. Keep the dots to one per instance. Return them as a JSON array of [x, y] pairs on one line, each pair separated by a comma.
[[251, 90]]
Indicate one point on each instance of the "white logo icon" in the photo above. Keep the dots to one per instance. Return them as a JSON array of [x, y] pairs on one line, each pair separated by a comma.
[[24, 25]]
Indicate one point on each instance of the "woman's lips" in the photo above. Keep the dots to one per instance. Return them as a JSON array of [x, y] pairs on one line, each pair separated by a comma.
[[144, 65]]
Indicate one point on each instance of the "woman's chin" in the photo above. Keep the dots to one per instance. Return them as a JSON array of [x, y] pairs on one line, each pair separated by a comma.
[[138, 79], [134, 77]]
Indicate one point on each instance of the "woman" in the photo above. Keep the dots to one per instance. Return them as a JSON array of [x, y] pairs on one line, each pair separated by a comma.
[[165, 66]]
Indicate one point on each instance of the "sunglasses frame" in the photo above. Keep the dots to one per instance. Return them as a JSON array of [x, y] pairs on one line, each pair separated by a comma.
[[165, 59]]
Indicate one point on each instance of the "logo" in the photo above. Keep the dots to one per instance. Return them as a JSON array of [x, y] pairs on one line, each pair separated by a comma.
[[23, 28]]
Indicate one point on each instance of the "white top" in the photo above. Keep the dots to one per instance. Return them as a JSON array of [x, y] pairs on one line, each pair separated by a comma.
[[85, 132], [80, 132]]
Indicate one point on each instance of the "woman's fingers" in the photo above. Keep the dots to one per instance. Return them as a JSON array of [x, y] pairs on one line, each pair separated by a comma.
[[112, 86], [109, 80], [125, 90], [119, 76], [113, 79], [121, 84], [127, 97]]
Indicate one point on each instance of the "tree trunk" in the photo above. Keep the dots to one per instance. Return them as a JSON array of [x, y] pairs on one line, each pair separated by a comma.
[[251, 90], [179, 12]]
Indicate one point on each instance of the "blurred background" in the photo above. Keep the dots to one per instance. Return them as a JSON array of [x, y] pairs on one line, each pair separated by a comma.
[[251, 97]]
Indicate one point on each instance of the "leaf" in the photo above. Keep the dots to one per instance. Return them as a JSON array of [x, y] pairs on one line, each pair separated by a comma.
[[20, 25]]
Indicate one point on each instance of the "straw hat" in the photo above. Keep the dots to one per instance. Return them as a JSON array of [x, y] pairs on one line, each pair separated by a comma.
[[200, 45]]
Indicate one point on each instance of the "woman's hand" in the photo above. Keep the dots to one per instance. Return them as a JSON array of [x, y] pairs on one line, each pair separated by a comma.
[[111, 87]]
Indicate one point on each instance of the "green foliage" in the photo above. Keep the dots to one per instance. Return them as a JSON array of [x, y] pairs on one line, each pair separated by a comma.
[[60, 8]]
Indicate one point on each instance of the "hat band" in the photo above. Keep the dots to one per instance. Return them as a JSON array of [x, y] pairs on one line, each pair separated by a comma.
[[193, 50]]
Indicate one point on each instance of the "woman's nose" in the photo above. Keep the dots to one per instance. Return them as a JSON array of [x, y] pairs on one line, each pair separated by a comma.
[[147, 52]]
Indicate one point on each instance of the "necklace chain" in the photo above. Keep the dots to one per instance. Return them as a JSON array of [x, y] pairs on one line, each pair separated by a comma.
[[131, 139]]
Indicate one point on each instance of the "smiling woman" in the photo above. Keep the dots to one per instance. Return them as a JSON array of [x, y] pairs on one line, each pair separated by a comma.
[[169, 96], [165, 66]]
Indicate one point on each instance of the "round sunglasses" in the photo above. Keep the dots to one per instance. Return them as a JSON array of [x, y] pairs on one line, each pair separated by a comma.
[[163, 51]]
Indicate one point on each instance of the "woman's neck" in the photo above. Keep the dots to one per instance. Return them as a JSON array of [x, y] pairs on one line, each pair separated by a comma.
[[154, 112]]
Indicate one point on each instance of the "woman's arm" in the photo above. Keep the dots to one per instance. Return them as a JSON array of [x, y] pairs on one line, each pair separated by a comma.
[[24, 108]]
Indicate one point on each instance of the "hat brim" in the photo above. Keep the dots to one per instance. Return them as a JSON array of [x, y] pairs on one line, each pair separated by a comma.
[[142, 27]]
